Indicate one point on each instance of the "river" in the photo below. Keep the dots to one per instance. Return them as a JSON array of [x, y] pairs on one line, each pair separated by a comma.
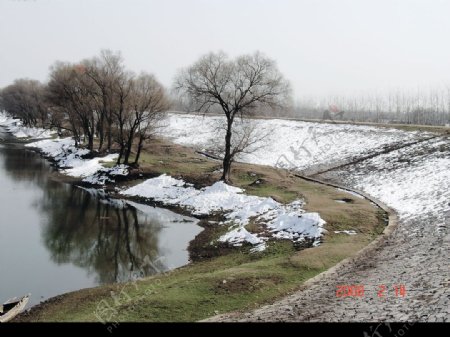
[[57, 237]]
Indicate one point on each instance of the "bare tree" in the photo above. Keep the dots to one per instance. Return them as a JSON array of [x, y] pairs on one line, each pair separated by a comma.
[[25, 99], [249, 136], [60, 97], [105, 71], [238, 87], [70, 89], [122, 89], [96, 97], [139, 105], [151, 104]]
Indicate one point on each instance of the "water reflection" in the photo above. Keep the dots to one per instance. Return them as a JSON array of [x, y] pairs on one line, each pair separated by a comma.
[[24, 165], [65, 238], [106, 238]]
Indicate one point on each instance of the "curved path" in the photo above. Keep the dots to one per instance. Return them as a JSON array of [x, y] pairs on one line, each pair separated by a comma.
[[415, 181]]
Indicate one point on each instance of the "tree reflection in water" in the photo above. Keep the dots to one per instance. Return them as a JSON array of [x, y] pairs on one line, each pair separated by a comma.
[[111, 240], [24, 165], [70, 239]]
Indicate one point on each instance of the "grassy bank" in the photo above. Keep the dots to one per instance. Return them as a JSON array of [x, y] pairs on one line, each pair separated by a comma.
[[224, 279]]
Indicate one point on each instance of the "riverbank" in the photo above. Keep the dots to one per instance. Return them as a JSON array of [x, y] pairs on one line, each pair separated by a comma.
[[222, 277]]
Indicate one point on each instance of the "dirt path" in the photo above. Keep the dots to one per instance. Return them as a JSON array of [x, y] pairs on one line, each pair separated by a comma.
[[415, 256]]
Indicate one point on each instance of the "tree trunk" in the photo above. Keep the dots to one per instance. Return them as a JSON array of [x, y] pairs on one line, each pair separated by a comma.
[[139, 149], [91, 141], [109, 135], [227, 158], [122, 146], [76, 138], [101, 131], [128, 151]]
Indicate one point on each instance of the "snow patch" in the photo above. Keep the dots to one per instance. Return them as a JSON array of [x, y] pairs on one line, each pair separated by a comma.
[[239, 235], [348, 232], [107, 175], [283, 221], [67, 156], [89, 167], [16, 128]]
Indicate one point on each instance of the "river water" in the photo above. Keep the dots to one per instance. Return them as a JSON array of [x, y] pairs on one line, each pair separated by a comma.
[[56, 237]]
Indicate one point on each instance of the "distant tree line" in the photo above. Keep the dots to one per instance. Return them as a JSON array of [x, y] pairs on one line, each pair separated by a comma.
[[430, 107], [95, 99]]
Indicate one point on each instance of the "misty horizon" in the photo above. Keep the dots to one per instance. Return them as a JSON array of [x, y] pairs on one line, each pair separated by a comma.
[[324, 48]]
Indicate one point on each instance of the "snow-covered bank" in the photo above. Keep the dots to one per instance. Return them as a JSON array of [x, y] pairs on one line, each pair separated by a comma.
[[413, 180], [64, 153], [107, 175], [18, 130], [282, 221], [291, 144], [72, 161]]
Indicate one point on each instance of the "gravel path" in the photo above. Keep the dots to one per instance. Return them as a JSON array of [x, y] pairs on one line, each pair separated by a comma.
[[415, 181]]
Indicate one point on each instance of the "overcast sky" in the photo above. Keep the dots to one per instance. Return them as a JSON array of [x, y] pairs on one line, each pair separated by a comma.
[[324, 47]]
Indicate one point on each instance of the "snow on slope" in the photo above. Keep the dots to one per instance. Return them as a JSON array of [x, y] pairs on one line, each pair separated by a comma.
[[18, 130], [66, 155], [283, 221], [414, 180], [64, 152], [290, 144]]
